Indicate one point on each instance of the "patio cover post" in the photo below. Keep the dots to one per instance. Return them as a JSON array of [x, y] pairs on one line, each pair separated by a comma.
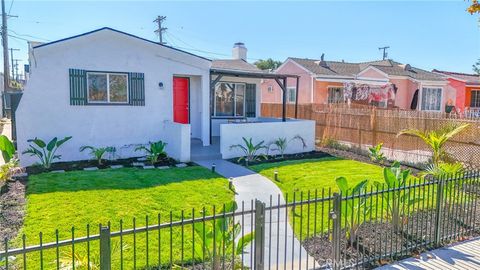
[[284, 95], [296, 99]]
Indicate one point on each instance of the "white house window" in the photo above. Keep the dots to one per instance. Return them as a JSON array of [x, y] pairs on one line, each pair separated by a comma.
[[291, 94], [431, 99], [107, 87], [335, 94], [229, 100], [475, 99], [270, 89]]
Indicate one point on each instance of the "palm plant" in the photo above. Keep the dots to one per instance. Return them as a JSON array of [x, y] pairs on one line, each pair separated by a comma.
[[376, 154], [397, 200], [99, 152], [222, 240], [282, 144], [250, 150], [354, 208], [45, 152], [154, 151], [436, 139]]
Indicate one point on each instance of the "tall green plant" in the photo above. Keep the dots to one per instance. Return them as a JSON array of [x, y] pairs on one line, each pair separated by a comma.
[[154, 151], [221, 240], [250, 150], [397, 199], [376, 154], [98, 153], [45, 152], [436, 139], [7, 148], [354, 208]]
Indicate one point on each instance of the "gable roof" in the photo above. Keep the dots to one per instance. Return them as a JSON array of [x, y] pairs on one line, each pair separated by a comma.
[[467, 78], [390, 67], [234, 64], [119, 32]]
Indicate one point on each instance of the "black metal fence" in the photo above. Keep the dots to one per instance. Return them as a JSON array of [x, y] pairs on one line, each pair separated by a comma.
[[312, 230]]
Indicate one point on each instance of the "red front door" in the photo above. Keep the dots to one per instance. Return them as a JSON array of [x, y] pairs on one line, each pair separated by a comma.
[[180, 100]]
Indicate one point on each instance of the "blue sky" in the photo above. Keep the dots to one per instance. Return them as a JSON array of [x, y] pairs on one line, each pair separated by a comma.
[[431, 34]]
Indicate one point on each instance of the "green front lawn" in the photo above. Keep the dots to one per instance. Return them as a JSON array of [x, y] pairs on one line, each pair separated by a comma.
[[315, 176], [62, 200]]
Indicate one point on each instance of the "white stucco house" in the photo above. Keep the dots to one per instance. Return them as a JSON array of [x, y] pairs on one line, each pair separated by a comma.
[[111, 88]]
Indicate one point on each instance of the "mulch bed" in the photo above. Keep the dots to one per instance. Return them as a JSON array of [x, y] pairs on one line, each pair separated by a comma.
[[12, 210], [277, 158], [362, 158], [80, 165]]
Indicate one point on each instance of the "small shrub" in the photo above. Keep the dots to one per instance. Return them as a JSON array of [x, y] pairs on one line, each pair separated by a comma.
[[45, 152], [334, 144], [154, 151], [250, 150], [9, 169], [376, 154], [98, 153]]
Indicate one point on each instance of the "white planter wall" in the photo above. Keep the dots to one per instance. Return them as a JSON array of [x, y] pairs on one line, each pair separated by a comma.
[[267, 131]]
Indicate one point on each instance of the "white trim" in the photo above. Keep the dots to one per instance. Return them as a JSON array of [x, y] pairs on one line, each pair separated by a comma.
[[108, 87], [420, 99], [290, 60], [359, 75]]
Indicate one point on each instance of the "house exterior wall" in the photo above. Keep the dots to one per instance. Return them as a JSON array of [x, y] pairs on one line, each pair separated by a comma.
[[45, 111], [321, 90], [304, 91]]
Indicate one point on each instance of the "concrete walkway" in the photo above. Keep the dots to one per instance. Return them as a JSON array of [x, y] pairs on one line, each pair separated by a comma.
[[462, 256], [285, 250]]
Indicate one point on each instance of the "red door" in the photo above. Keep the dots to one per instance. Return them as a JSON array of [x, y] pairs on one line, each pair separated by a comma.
[[180, 100]]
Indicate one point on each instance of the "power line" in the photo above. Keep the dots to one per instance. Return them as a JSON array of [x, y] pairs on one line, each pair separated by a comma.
[[26, 35], [10, 9], [24, 39]]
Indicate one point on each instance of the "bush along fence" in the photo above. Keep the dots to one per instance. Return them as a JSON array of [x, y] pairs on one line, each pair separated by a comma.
[[359, 127], [363, 226]]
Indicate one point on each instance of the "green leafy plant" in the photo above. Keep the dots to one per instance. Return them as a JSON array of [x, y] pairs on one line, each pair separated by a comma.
[[436, 139], [446, 171], [9, 169], [99, 152], [221, 240], [45, 152], [7, 148], [250, 150], [354, 208], [281, 144], [376, 154], [154, 151], [398, 199]]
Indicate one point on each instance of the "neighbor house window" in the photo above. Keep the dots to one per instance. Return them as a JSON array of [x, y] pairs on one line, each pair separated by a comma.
[[270, 89], [335, 94], [431, 99], [291, 94], [107, 87], [229, 100], [475, 99]]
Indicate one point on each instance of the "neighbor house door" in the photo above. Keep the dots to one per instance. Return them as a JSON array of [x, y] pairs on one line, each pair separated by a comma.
[[181, 100]]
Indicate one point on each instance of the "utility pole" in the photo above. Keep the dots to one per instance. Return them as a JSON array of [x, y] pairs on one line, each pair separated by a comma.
[[160, 29], [385, 54], [16, 69], [11, 57], [6, 71]]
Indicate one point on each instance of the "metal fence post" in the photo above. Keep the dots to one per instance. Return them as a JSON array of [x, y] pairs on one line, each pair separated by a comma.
[[259, 235], [439, 211], [336, 216], [105, 252]]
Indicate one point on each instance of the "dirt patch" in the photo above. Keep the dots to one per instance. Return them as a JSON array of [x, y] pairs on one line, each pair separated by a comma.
[[12, 210], [80, 165]]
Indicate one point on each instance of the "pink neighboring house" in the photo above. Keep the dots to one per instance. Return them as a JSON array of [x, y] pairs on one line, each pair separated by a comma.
[[323, 82], [467, 87]]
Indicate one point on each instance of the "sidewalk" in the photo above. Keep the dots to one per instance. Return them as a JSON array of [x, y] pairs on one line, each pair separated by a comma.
[[462, 256], [285, 250]]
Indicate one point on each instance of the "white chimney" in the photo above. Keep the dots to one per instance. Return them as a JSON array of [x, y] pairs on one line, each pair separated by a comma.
[[239, 51]]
